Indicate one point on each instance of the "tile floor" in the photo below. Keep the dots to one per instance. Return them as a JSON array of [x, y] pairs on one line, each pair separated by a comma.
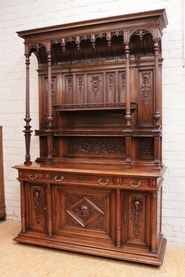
[[18, 260]]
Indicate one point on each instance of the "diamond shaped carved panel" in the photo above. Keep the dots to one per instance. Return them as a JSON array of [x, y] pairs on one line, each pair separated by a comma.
[[85, 211]]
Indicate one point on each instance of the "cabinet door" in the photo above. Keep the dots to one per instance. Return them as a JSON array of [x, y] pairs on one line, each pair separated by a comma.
[[36, 206], [85, 215], [137, 221]]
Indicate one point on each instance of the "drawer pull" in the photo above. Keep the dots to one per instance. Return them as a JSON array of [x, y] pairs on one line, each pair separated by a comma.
[[58, 180], [135, 186], [103, 183], [31, 177]]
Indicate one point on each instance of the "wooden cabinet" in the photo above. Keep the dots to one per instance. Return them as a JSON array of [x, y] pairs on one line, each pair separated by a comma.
[[96, 187], [2, 194]]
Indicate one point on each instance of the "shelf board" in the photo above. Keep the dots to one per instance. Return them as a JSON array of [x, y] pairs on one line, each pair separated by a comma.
[[92, 106]]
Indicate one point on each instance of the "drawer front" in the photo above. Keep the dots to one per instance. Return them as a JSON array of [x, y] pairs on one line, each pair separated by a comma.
[[31, 175], [80, 179], [135, 183]]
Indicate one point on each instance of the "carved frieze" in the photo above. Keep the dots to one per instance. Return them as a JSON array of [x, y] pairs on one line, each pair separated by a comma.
[[96, 147]]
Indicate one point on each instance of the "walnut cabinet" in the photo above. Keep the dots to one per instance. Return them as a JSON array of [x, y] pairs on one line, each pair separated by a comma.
[[96, 187]]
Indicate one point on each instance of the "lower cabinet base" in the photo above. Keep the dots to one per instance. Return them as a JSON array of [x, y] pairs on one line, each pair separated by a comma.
[[125, 252]]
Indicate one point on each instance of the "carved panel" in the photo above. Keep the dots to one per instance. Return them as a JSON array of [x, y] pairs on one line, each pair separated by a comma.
[[37, 197], [79, 95], [84, 211], [53, 90], [96, 147], [135, 203], [68, 88], [145, 99], [37, 206], [146, 148], [95, 82], [111, 93], [137, 209], [121, 95]]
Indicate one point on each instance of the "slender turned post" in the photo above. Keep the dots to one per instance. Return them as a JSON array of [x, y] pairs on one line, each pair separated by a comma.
[[157, 115], [49, 116], [128, 114], [154, 222], [118, 219], [127, 90], [27, 131], [23, 208]]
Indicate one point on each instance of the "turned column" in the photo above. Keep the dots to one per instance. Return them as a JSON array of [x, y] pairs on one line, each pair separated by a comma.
[[49, 130], [27, 119], [157, 115], [154, 222], [127, 94]]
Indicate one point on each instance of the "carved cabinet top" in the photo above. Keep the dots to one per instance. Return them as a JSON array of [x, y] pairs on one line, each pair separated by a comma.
[[104, 38]]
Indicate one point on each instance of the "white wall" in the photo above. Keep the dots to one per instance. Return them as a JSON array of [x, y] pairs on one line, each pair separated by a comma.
[[17, 15]]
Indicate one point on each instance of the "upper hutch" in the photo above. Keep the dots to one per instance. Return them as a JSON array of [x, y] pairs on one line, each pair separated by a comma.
[[96, 187]]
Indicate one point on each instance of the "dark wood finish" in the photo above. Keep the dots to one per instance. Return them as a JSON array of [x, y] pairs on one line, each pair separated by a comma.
[[96, 187], [2, 194]]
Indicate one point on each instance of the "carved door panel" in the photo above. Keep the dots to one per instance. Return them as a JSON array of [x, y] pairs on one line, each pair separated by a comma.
[[36, 207], [85, 214], [137, 221]]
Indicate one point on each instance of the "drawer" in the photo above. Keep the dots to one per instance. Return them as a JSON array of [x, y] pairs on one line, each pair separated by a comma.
[[135, 182], [80, 179], [31, 175]]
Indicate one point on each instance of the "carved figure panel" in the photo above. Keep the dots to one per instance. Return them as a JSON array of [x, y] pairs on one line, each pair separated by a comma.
[[136, 217], [37, 207]]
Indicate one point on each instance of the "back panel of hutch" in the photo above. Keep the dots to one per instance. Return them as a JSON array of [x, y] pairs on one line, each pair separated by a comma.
[[96, 187]]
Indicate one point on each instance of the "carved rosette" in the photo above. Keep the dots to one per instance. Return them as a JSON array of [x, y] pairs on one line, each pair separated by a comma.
[[137, 208]]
